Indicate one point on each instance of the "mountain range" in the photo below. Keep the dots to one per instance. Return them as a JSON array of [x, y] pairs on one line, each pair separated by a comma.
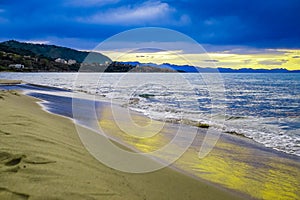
[[194, 69]]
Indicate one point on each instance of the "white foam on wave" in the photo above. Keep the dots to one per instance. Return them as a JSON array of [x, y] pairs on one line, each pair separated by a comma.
[[177, 103]]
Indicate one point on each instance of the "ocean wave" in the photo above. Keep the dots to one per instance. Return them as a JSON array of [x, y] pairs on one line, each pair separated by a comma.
[[255, 107]]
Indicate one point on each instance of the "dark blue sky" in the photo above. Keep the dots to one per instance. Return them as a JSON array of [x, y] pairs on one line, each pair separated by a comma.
[[83, 24]]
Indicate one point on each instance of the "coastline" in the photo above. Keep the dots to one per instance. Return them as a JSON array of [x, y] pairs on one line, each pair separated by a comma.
[[42, 156]]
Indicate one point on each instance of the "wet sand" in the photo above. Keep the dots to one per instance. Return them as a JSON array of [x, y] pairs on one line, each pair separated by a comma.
[[42, 157], [235, 162]]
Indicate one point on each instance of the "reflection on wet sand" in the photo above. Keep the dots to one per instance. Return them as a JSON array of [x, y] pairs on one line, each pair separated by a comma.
[[235, 163]]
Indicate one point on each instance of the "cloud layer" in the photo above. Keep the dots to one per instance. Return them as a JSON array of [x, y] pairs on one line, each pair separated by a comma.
[[150, 12], [256, 23]]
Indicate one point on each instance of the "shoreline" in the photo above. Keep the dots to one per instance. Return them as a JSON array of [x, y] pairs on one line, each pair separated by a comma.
[[232, 148], [89, 96], [254, 131], [42, 151]]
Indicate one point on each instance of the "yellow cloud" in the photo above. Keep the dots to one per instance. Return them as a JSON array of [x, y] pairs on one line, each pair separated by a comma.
[[274, 58]]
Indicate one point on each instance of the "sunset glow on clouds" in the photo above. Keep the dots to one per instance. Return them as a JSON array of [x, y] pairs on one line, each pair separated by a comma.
[[280, 58], [288, 59]]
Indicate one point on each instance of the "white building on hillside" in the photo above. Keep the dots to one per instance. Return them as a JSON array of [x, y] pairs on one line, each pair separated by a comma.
[[60, 60], [17, 66], [71, 62]]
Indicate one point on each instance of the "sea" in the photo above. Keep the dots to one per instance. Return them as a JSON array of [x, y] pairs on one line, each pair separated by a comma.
[[264, 107]]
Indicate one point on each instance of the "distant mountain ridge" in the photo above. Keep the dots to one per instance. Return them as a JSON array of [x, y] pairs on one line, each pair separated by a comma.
[[193, 69]]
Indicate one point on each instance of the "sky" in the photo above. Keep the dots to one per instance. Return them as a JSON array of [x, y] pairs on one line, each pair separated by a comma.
[[234, 33]]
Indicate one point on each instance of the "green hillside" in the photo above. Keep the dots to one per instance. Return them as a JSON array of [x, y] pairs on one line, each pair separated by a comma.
[[43, 58], [52, 52]]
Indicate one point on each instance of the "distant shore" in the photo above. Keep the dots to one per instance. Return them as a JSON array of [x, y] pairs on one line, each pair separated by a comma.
[[41, 156]]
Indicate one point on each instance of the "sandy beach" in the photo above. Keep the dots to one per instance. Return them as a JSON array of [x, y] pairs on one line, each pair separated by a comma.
[[150, 100], [41, 157]]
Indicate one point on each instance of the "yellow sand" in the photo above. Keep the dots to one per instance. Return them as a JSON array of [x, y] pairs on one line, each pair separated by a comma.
[[41, 157], [9, 82]]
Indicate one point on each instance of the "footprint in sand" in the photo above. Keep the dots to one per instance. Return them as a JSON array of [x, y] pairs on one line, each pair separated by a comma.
[[7, 194], [4, 132], [11, 163]]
